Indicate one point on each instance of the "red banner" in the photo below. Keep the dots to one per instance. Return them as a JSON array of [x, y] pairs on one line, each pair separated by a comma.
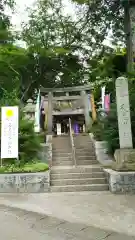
[[107, 102]]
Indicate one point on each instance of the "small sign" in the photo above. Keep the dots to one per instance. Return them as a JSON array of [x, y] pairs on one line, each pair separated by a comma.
[[58, 129], [9, 132]]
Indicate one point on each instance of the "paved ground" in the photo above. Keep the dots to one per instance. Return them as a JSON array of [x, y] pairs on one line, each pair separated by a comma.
[[19, 225], [99, 209]]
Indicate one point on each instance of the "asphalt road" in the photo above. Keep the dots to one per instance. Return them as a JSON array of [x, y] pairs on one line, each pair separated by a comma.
[[20, 225]]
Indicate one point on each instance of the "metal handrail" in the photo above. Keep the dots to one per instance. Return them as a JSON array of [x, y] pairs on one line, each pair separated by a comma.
[[72, 144]]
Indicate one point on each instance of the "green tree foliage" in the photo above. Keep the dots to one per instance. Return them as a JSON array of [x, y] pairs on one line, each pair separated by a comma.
[[5, 34], [105, 68], [103, 17], [54, 39]]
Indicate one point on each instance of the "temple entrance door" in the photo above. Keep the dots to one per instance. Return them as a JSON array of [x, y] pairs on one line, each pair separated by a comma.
[[61, 124]]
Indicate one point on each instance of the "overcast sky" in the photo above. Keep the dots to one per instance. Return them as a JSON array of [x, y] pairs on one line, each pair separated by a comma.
[[21, 15]]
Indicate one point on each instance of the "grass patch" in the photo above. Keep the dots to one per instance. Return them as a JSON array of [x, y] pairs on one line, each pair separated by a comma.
[[26, 168]]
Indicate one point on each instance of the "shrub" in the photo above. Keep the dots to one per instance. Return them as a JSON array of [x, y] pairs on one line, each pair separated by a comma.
[[29, 141], [97, 130], [26, 168], [110, 130]]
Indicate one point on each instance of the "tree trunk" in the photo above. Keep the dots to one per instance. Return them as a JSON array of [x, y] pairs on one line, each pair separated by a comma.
[[128, 39]]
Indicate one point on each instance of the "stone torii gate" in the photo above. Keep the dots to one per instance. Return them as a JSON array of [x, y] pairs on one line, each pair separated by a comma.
[[67, 94]]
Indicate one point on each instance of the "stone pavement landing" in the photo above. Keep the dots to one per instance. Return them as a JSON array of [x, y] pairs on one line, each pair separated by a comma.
[[98, 209], [16, 224]]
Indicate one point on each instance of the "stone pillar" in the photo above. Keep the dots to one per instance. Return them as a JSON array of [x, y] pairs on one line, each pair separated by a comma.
[[124, 156], [123, 112], [88, 120], [50, 116]]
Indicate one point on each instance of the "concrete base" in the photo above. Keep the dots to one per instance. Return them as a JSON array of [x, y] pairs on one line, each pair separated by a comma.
[[121, 182], [125, 159], [25, 182]]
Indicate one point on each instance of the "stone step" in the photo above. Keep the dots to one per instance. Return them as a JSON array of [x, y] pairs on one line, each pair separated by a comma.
[[87, 181], [60, 139], [83, 153], [86, 162], [78, 169], [79, 152], [84, 149], [63, 159], [62, 163], [70, 163], [76, 175], [61, 150], [61, 154], [85, 157], [82, 140], [61, 146], [80, 188], [79, 138]]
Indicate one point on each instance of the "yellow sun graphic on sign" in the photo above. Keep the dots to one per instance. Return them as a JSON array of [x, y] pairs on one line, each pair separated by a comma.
[[9, 113]]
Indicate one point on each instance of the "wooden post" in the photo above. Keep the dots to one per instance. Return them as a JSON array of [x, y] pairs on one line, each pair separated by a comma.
[[50, 116], [85, 100]]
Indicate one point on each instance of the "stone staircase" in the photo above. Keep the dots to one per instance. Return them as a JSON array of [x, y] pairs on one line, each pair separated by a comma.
[[87, 176], [85, 152]]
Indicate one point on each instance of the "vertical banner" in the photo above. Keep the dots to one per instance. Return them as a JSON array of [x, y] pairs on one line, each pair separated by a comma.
[[103, 97], [107, 103], [46, 114], [89, 103], [9, 132], [94, 114], [58, 129], [37, 115]]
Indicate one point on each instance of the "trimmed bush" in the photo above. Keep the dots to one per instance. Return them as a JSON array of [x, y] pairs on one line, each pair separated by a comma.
[[110, 130], [97, 130], [26, 168], [29, 141]]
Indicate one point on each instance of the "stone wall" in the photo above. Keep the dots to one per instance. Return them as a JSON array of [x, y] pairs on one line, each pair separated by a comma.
[[25, 182], [121, 182], [101, 151], [49, 149]]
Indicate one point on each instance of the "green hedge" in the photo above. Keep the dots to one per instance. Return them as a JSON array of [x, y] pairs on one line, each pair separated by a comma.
[[26, 168]]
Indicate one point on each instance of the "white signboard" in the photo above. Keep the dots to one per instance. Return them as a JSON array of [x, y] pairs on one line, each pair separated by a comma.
[[9, 132], [58, 129]]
